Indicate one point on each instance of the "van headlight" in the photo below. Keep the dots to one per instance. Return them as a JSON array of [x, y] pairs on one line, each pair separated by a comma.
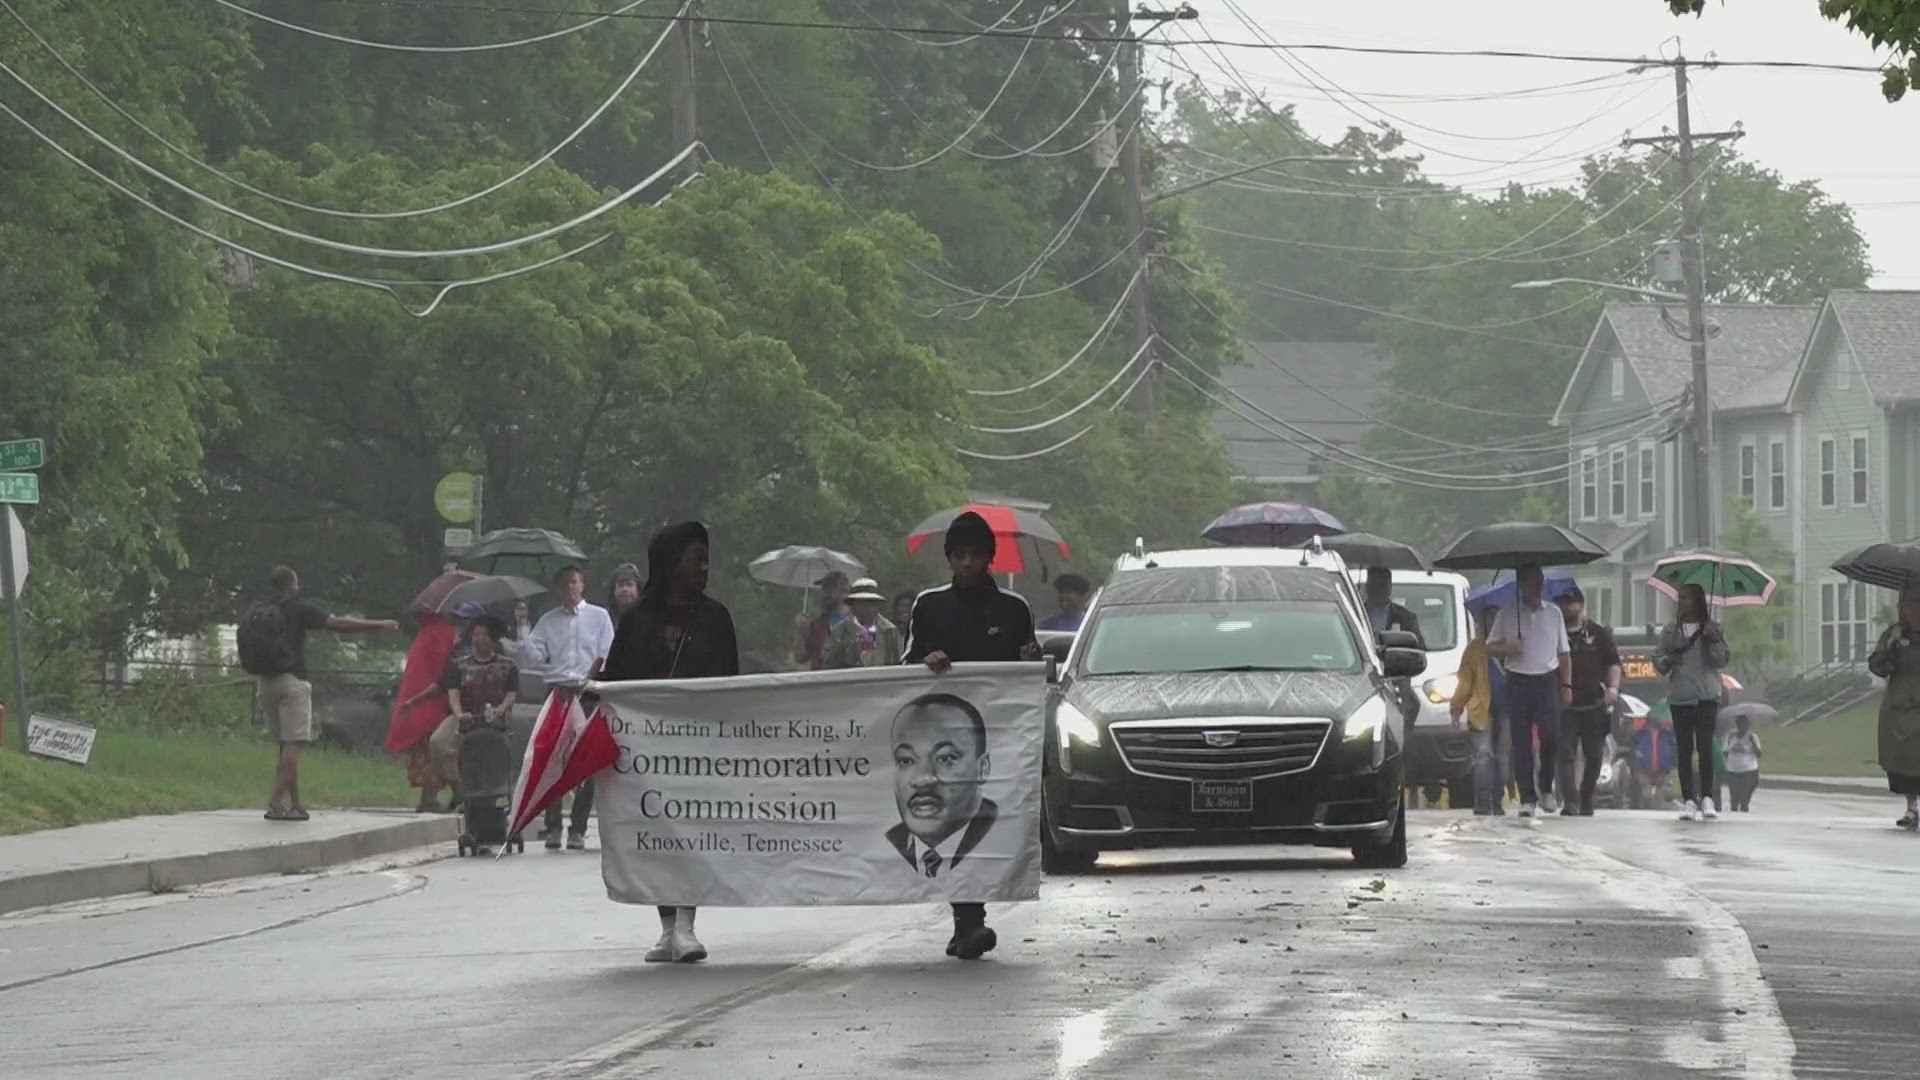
[[1075, 726], [1440, 691]]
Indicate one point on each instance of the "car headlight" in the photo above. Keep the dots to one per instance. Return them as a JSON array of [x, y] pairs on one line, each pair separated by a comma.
[[1075, 726], [1440, 690], [1368, 721]]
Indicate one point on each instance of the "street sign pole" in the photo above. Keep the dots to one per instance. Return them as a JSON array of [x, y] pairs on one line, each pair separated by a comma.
[[23, 709]]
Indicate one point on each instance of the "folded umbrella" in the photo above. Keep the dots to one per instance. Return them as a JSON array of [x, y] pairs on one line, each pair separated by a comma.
[[1272, 524], [1889, 566], [1729, 580], [1368, 550], [1512, 544], [1023, 540], [567, 747]]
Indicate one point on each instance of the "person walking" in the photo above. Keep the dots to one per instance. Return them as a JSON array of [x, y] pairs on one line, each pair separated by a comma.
[[1588, 720], [1073, 592], [811, 633], [421, 707], [623, 591], [272, 641], [1530, 639], [970, 620], [675, 631], [1480, 699], [567, 646], [1897, 660], [1382, 612], [1743, 764], [1693, 652], [868, 639]]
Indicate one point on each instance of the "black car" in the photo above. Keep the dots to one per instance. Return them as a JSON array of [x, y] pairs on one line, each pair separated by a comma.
[[1226, 705]]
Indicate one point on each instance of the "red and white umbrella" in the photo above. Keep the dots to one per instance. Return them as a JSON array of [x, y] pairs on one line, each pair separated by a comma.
[[1023, 540], [568, 747]]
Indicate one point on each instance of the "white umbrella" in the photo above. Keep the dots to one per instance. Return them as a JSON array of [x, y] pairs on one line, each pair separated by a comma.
[[800, 566]]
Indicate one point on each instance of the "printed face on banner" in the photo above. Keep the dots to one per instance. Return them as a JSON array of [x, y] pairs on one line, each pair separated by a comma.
[[940, 761]]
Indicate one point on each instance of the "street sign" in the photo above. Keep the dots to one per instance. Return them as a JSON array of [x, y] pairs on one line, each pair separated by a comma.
[[23, 454], [19, 487], [459, 539], [16, 541], [62, 740], [454, 496]]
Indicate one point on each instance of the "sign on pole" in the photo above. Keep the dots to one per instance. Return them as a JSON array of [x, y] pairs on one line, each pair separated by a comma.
[[23, 454], [19, 487], [455, 496], [62, 740], [13, 572], [459, 539], [17, 546]]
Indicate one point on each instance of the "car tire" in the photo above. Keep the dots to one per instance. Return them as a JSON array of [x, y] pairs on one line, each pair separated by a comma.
[[1390, 854]]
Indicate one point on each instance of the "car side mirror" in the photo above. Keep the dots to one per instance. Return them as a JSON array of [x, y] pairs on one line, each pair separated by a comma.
[[1399, 639], [1403, 663]]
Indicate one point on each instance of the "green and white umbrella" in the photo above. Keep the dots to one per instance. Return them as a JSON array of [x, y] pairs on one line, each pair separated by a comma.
[[1728, 580]]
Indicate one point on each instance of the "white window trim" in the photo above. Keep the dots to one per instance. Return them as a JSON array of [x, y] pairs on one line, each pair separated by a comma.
[[1843, 379], [1589, 481], [1617, 466], [1780, 474], [1825, 474], [1747, 480], [1859, 437], [1618, 378], [1647, 498]]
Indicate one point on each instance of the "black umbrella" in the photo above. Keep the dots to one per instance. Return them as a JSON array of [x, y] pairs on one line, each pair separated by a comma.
[[1512, 544], [1366, 549], [1890, 566]]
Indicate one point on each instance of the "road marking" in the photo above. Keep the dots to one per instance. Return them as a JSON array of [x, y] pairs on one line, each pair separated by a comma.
[[1686, 967], [1752, 1036]]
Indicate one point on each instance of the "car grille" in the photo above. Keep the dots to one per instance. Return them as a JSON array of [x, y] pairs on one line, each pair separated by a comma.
[[1256, 750]]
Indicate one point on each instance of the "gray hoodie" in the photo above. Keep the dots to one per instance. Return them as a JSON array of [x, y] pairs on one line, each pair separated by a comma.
[[1692, 663]]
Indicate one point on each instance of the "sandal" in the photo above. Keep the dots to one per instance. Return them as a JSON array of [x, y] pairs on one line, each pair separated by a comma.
[[279, 813]]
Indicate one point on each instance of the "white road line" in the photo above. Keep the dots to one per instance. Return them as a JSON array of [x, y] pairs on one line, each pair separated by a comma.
[[1753, 1038], [1686, 967]]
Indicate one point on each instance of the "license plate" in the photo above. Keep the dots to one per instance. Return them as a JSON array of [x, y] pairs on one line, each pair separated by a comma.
[[1212, 796]]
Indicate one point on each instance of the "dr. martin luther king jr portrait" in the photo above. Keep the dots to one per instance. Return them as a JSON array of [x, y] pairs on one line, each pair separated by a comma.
[[940, 763]]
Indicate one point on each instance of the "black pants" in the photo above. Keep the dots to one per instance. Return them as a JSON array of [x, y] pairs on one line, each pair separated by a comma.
[[1693, 728], [1533, 706], [969, 916], [1583, 733], [1743, 785], [582, 809]]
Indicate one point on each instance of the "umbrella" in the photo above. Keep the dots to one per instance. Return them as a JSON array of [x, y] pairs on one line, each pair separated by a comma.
[[1729, 580], [1890, 566], [485, 592], [800, 567], [534, 553], [1511, 544], [1505, 594], [434, 596], [1366, 549], [1272, 524], [1754, 712], [1022, 537]]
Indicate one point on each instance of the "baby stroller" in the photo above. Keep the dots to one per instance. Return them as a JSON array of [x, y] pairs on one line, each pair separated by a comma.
[[486, 784]]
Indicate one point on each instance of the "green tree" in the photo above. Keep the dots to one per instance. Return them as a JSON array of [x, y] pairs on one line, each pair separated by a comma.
[[1893, 25]]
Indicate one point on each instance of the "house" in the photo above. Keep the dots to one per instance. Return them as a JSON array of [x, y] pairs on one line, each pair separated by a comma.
[[1814, 427], [1325, 388]]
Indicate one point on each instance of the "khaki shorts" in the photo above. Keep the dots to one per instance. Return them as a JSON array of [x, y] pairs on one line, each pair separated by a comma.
[[287, 703]]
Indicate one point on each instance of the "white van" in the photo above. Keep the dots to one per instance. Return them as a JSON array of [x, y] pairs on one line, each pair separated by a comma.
[[1438, 755]]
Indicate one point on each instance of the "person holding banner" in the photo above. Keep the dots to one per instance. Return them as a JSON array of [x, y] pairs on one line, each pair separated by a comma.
[[675, 631], [969, 620]]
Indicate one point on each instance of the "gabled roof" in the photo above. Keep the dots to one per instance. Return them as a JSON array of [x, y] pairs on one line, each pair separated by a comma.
[[1751, 361], [1882, 327], [1319, 386]]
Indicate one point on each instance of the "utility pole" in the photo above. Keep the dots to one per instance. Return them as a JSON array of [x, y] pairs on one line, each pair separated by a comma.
[[1133, 93], [684, 98], [1680, 146]]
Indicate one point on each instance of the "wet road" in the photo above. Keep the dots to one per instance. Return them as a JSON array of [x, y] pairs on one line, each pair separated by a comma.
[[1630, 945]]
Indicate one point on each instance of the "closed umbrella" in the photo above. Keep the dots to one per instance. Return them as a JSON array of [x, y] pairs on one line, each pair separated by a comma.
[[1272, 524], [1512, 544], [1023, 540], [1729, 580], [1889, 566], [1366, 549], [532, 553]]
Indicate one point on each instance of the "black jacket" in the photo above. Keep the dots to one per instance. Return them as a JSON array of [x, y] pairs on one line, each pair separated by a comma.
[[969, 625], [642, 648], [1399, 617]]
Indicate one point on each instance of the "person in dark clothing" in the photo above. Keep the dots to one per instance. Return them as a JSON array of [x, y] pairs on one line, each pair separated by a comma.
[[971, 620], [675, 631], [1382, 612], [1585, 724]]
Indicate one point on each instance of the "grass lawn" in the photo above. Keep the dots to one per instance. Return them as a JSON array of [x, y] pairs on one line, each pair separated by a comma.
[[1845, 744], [137, 773]]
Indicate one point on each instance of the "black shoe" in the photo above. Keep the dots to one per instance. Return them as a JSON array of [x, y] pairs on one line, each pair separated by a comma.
[[972, 944], [552, 837], [576, 841], [1569, 810], [1586, 806]]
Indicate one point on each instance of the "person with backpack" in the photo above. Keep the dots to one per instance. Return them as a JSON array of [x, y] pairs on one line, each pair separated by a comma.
[[272, 641]]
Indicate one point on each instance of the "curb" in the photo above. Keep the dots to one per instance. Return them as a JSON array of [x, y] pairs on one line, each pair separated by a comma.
[[176, 872], [1837, 786]]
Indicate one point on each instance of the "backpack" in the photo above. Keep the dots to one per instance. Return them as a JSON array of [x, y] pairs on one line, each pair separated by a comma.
[[262, 640]]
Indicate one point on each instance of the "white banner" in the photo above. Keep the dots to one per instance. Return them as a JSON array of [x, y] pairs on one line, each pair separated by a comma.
[[866, 786], [63, 740]]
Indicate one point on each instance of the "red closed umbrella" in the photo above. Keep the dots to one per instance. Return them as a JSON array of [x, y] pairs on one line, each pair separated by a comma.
[[1022, 538]]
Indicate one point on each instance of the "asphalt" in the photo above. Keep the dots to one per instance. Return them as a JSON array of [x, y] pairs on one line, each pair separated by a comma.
[[1628, 945]]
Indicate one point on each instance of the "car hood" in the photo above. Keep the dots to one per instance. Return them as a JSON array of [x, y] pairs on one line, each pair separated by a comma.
[[1231, 693]]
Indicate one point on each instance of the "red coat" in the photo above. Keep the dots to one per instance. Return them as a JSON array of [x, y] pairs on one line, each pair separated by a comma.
[[426, 663]]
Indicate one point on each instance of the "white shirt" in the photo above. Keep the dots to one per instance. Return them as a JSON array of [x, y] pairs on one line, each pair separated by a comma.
[[945, 848], [567, 642], [1542, 635], [1743, 753]]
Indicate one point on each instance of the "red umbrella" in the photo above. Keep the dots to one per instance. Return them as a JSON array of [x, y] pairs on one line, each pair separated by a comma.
[[567, 747], [434, 596], [1020, 536]]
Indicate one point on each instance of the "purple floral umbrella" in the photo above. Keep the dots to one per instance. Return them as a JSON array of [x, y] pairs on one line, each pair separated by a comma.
[[1272, 524]]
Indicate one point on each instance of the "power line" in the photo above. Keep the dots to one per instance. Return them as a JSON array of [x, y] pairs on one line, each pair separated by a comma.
[[1099, 334], [389, 46], [1025, 429]]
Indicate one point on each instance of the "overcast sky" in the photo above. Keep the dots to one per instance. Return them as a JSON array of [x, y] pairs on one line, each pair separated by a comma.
[[1834, 128]]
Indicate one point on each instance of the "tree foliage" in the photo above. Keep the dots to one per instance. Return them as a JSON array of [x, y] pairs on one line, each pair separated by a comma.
[[1893, 25]]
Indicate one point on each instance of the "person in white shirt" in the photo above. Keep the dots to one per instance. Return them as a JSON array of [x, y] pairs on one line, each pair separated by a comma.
[[1530, 639], [1742, 753], [566, 647]]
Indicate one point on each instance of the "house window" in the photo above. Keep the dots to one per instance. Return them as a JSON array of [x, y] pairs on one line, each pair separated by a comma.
[[1646, 480], [1619, 378], [1860, 487], [1846, 622], [1748, 470], [1777, 475], [1589, 485], [1829, 478], [1844, 377], [1617, 482]]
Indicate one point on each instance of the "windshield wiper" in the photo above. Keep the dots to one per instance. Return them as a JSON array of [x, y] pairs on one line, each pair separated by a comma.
[[1240, 667]]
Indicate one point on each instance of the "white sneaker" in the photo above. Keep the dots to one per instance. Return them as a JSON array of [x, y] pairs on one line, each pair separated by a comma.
[[662, 951], [1690, 811], [687, 948], [1709, 810], [1549, 803], [1526, 811]]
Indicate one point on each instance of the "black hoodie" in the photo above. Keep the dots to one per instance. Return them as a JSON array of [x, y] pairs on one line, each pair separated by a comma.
[[659, 640]]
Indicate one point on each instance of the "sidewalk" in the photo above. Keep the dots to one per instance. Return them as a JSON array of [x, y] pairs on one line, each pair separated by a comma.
[[1838, 785], [175, 851]]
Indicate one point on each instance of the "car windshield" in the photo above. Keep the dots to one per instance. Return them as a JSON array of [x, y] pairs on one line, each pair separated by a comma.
[[1435, 604], [1157, 639]]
